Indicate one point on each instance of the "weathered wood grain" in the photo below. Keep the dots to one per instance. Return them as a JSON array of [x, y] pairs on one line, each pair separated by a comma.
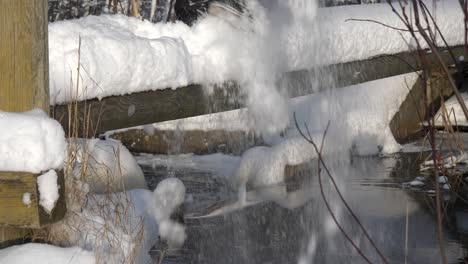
[[156, 106], [189, 141], [15, 213], [24, 85], [23, 55], [407, 124]]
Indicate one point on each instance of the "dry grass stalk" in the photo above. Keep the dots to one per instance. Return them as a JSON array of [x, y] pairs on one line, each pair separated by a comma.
[[107, 218]]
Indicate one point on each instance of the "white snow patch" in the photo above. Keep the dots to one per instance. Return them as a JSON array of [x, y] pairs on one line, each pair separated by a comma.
[[30, 142], [42, 253], [110, 166], [454, 112], [27, 199], [48, 190], [168, 197]]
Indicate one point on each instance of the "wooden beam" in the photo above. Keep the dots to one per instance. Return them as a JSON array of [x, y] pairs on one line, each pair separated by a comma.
[[191, 141], [14, 212], [162, 105]]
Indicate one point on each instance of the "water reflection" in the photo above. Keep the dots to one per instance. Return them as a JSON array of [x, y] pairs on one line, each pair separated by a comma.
[[290, 224]]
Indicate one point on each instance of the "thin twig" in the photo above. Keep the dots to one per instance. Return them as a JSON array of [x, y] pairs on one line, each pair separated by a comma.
[[377, 22]]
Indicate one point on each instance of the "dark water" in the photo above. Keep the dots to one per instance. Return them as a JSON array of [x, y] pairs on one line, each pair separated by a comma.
[[298, 227]]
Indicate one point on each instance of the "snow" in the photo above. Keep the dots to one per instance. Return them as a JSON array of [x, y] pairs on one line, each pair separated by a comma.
[[47, 254], [416, 183], [48, 190], [27, 199], [109, 164], [455, 113], [121, 55], [169, 196], [30, 142], [122, 227], [360, 126]]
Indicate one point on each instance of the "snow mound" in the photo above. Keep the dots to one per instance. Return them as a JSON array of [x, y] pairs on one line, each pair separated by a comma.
[[30, 142], [122, 227], [42, 253], [109, 166]]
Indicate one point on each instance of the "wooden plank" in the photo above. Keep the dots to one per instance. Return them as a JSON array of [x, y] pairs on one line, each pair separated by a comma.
[[23, 55], [14, 212], [406, 124], [156, 106], [12, 209]]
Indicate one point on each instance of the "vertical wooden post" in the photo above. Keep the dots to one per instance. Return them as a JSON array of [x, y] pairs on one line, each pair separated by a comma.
[[24, 77], [24, 85]]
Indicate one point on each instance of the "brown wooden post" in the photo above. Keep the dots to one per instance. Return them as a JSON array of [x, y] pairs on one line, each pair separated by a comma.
[[24, 85], [24, 77]]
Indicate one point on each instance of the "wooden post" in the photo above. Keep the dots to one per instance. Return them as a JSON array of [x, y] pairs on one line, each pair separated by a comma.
[[24, 77], [24, 85]]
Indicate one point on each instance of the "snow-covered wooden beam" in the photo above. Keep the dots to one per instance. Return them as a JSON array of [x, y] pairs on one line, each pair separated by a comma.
[[24, 85], [162, 105]]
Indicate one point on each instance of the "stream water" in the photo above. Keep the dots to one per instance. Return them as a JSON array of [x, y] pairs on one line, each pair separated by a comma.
[[297, 228]]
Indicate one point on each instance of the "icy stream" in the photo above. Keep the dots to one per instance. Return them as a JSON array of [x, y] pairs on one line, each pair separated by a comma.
[[300, 230]]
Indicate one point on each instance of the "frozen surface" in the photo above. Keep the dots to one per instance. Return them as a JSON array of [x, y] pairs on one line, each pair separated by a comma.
[[48, 190], [30, 142], [218, 164], [109, 165], [42, 253]]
